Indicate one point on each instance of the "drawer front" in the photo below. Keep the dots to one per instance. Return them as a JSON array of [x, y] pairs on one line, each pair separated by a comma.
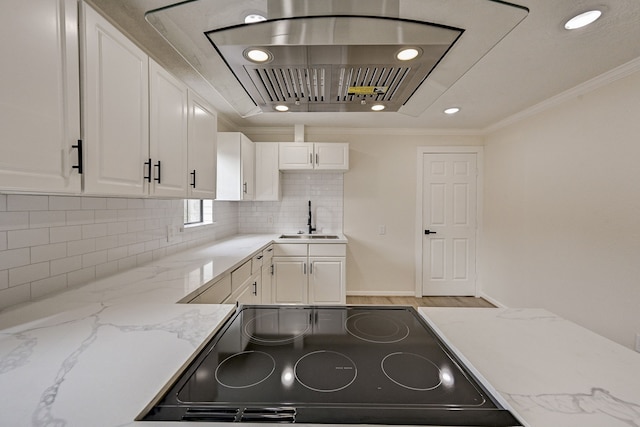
[[256, 263], [267, 253], [216, 293], [328, 249], [290, 249], [240, 275]]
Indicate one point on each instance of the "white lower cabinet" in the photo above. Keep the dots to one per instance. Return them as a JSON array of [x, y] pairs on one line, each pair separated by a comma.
[[215, 293], [309, 274]]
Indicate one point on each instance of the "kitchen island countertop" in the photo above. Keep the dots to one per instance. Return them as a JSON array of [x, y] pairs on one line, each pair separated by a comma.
[[550, 371]]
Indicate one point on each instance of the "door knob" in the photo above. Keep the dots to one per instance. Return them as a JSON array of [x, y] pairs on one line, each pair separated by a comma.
[[429, 232]]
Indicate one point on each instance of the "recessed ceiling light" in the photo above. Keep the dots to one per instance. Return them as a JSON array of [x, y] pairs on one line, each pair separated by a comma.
[[408, 54], [282, 108], [582, 20], [258, 55], [377, 107], [252, 18], [451, 110]]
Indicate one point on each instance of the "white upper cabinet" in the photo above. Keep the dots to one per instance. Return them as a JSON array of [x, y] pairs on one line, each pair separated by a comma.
[[267, 172], [203, 131], [236, 167], [168, 133], [39, 96], [116, 110], [319, 156]]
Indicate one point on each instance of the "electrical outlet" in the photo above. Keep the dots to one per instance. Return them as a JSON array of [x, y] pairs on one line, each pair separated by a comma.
[[382, 229], [638, 342]]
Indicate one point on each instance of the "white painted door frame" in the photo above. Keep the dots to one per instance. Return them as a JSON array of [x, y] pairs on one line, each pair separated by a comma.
[[478, 151]]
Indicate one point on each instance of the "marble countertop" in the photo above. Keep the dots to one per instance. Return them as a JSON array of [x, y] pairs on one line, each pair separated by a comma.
[[550, 371], [98, 354]]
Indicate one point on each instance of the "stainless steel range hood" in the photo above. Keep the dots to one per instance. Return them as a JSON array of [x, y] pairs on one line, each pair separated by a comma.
[[333, 63], [334, 55]]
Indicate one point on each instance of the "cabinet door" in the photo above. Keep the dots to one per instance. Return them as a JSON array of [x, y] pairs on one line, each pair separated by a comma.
[[331, 156], [248, 158], [327, 281], [203, 133], [267, 172], [167, 133], [289, 280], [251, 294], [39, 96], [295, 156], [116, 110]]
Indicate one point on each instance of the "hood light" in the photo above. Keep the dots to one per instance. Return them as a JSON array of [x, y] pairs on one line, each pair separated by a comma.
[[408, 54], [377, 107], [282, 108], [253, 18], [582, 20], [451, 110], [259, 56]]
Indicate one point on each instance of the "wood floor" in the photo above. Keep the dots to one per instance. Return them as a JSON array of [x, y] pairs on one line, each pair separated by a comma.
[[421, 302]]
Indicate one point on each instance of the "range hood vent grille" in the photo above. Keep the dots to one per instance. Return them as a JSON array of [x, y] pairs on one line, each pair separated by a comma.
[[342, 84]]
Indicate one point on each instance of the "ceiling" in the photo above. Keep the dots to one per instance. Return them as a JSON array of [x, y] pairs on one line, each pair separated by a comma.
[[507, 60]]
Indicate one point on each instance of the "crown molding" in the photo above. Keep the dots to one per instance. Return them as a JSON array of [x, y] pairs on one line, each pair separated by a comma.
[[604, 79], [266, 130]]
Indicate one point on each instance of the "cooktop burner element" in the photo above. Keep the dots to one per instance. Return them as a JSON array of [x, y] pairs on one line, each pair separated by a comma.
[[325, 371], [338, 365], [374, 327], [411, 371]]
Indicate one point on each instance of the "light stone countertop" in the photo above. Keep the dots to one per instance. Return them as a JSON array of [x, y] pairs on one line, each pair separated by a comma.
[[550, 371], [98, 354]]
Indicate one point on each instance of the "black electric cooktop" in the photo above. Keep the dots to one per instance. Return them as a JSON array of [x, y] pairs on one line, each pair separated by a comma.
[[339, 365]]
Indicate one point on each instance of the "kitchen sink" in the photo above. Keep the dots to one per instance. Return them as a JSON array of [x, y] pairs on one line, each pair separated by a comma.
[[309, 236]]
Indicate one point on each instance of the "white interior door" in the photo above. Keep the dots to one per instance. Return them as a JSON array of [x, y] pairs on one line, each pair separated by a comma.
[[449, 209]]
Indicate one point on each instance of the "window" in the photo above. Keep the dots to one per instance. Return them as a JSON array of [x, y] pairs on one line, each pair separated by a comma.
[[198, 212]]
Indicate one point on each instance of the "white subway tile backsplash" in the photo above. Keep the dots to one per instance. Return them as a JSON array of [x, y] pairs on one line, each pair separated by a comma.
[[80, 277], [72, 240], [14, 220], [48, 252], [28, 273], [4, 279], [18, 202], [49, 285], [25, 238], [64, 203], [65, 265], [80, 217], [94, 258], [94, 230], [81, 247], [39, 219], [116, 203], [65, 234], [15, 295], [93, 203]]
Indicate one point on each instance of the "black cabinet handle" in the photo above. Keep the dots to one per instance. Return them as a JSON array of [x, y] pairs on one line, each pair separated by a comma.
[[158, 177], [429, 232], [79, 166], [147, 166], [255, 288], [193, 181]]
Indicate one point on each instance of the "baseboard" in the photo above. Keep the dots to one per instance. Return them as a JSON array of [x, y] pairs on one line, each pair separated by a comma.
[[492, 300], [381, 293]]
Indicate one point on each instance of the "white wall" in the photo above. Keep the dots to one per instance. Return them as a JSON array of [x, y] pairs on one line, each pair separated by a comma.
[[50, 243], [562, 211], [379, 189]]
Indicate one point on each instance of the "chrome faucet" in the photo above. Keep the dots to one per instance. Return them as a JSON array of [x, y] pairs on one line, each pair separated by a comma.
[[311, 228]]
